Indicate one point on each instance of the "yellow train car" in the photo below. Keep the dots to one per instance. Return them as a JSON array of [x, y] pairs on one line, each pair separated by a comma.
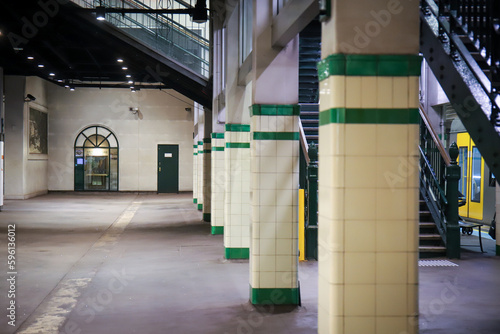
[[476, 182]]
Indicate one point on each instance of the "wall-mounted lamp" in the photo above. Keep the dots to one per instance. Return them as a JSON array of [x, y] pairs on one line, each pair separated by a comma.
[[133, 110], [29, 98]]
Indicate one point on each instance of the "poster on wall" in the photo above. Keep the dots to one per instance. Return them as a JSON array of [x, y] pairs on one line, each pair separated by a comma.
[[38, 132]]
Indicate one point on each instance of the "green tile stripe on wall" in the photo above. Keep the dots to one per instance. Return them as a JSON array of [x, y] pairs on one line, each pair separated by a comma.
[[200, 206], [275, 110], [218, 148], [238, 127], [276, 136], [218, 135], [217, 229], [276, 296], [207, 140], [195, 146], [369, 116], [369, 65], [237, 145], [206, 217], [207, 151], [200, 142], [195, 153], [195, 200], [237, 253], [200, 151]]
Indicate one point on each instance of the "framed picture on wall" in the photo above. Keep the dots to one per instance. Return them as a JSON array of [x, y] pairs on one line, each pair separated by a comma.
[[38, 132]]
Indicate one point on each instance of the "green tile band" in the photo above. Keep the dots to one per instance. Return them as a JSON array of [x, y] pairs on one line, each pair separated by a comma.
[[206, 217], [237, 145], [218, 148], [369, 116], [217, 229], [207, 151], [276, 296], [195, 200], [200, 142], [195, 146], [218, 135], [195, 153], [207, 140], [238, 127], [276, 136], [200, 206], [369, 65], [200, 151], [237, 253], [275, 110]]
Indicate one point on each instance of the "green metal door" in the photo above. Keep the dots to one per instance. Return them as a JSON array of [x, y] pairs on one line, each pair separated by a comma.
[[79, 170], [168, 168]]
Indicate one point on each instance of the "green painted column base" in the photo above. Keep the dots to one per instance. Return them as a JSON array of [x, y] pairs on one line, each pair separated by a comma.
[[206, 217], [217, 229], [237, 253], [498, 250], [195, 200], [276, 296], [200, 206]]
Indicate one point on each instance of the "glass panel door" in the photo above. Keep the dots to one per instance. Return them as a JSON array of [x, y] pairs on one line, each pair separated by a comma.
[[96, 169]]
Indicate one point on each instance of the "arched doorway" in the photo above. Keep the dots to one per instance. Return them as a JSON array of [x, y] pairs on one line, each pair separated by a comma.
[[96, 160]]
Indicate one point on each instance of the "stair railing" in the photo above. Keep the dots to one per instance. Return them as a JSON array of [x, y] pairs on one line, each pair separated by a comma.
[[439, 184]]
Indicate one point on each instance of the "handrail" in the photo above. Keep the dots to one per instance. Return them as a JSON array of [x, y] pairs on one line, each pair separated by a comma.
[[434, 136], [434, 178], [303, 142]]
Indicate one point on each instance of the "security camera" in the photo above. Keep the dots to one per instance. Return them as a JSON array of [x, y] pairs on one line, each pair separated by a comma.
[[29, 98]]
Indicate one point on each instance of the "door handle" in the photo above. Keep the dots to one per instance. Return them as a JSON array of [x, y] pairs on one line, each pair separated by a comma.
[[159, 169]]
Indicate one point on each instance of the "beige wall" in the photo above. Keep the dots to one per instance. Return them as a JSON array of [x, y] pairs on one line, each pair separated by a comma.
[[162, 120]]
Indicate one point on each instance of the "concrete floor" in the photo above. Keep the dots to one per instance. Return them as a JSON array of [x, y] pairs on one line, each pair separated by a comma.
[[127, 263]]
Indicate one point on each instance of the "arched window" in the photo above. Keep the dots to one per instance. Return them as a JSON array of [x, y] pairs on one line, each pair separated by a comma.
[[96, 160]]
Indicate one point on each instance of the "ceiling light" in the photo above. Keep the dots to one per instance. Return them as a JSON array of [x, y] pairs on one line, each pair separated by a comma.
[[52, 74], [41, 65], [30, 57], [72, 88], [130, 82], [119, 60], [100, 13], [60, 80], [128, 76], [124, 68]]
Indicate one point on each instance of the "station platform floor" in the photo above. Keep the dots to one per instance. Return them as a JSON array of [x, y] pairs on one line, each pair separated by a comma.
[[146, 263]]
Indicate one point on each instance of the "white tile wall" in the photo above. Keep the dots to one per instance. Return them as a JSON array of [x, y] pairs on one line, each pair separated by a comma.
[[195, 169], [200, 171], [218, 183]]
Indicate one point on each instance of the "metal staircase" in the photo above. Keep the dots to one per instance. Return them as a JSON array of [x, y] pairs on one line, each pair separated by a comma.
[[460, 41], [183, 50]]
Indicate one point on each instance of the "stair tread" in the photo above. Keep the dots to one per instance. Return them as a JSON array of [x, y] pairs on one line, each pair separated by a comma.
[[432, 248]]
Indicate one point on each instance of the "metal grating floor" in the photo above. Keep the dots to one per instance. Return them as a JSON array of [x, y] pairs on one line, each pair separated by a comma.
[[436, 263]]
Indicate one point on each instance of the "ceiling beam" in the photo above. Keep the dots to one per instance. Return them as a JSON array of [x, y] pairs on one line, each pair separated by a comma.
[[292, 19]]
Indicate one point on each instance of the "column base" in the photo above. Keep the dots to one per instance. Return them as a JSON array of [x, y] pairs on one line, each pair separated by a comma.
[[206, 217], [275, 296], [217, 229], [498, 250], [195, 200], [237, 253], [200, 206]]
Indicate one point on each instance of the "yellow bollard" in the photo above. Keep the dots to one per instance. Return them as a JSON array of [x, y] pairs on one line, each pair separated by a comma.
[[302, 227]]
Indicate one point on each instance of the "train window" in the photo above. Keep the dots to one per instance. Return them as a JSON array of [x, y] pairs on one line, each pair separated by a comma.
[[476, 177], [462, 162]]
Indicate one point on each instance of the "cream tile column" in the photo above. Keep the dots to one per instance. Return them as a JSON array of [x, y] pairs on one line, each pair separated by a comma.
[[368, 227], [274, 188], [200, 175], [218, 182], [195, 171], [237, 186]]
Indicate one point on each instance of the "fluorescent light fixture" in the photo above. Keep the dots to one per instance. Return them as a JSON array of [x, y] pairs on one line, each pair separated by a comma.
[[128, 76], [124, 68], [119, 60], [130, 82], [71, 88], [41, 65], [30, 57], [52, 74]]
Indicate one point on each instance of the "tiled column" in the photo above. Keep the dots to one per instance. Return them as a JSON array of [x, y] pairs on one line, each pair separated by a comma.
[[207, 185], [368, 224], [195, 172], [274, 188], [218, 177], [200, 175], [237, 199]]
